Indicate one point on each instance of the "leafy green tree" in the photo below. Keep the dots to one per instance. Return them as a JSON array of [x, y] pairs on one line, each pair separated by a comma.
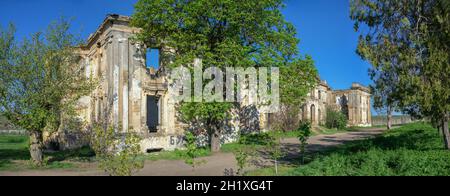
[[211, 115], [411, 38], [296, 81], [223, 33], [304, 132], [40, 81], [243, 156], [384, 91], [275, 148], [192, 151], [118, 153]]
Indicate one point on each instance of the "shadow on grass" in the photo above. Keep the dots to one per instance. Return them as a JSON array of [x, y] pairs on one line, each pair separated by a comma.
[[9, 155], [14, 153], [82, 154]]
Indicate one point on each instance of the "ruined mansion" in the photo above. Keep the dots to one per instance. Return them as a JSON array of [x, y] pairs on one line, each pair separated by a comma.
[[135, 95]]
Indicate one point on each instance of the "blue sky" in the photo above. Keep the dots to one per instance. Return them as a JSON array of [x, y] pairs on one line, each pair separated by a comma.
[[324, 29]]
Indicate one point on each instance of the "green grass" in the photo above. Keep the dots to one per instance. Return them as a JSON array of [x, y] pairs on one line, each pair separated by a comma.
[[412, 150], [287, 134], [14, 155], [259, 140], [269, 171], [326, 131], [175, 155], [234, 147], [13, 142]]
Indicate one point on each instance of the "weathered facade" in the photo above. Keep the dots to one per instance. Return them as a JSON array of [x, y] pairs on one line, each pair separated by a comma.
[[132, 96], [353, 102]]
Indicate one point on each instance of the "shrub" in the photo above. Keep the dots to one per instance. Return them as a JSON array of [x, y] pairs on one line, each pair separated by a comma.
[[335, 119], [275, 149], [242, 156], [286, 119], [256, 139], [304, 132], [192, 150], [117, 152]]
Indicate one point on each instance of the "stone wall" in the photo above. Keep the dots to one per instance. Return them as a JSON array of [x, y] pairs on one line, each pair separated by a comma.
[[13, 132], [396, 120], [353, 102]]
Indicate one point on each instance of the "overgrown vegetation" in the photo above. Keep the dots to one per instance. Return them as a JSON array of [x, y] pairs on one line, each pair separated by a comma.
[[335, 119], [412, 150], [304, 132], [275, 150], [243, 156], [192, 151], [117, 152]]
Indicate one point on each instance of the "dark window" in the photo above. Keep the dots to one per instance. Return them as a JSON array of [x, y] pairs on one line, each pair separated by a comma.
[[152, 113]]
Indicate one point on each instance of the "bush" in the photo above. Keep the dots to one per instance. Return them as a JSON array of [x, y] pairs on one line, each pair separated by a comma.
[[117, 152], [256, 139], [335, 119], [192, 151], [243, 156], [304, 132]]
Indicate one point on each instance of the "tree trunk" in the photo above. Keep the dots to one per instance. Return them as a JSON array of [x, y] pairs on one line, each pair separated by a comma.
[[439, 128], [389, 118], [36, 147], [276, 167], [445, 132], [215, 140]]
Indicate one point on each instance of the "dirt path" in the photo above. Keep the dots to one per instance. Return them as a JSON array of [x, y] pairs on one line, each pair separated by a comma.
[[215, 165]]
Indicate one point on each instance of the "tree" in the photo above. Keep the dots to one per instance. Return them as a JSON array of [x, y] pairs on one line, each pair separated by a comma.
[[224, 33], [304, 132], [383, 92], [40, 81], [118, 153], [192, 152], [242, 156], [209, 114], [275, 148], [413, 40], [296, 81]]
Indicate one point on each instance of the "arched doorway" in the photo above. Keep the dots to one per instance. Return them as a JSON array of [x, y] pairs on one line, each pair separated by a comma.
[[313, 114]]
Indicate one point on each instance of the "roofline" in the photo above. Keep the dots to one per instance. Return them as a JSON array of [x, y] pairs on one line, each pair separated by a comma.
[[109, 18]]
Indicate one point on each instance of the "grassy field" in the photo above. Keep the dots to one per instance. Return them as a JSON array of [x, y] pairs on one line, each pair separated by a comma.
[[14, 155], [412, 150]]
